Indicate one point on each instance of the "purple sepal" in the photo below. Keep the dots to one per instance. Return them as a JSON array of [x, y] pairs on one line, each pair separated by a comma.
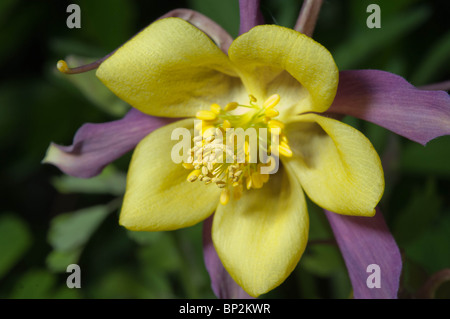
[[370, 253], [250, 15], [223, 285], [388, 100], [96, 145], [202, 22]]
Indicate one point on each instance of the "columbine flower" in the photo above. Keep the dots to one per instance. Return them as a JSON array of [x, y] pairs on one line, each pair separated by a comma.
[[284, 79], [281, 79]]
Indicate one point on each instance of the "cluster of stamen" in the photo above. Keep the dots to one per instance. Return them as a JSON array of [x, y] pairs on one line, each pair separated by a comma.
[[216, 158]]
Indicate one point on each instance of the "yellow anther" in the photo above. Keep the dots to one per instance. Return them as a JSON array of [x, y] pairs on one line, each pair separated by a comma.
[[206, 115], [231, 106], [257, 180], [275, 124], [220, 184], [62, 66], [206, 179], [207, 130], [219, 133], [192, 177], [210, 148], [226, 124], [248, 182], [202, 124], [271, 113], [259, 167], [216, 108], [224, 196], [264, 178], [285, 150], [275, 131], [272, 101], [198, 138], [188, 166]]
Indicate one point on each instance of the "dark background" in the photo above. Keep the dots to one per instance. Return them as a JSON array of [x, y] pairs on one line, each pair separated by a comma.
[[48, 220]]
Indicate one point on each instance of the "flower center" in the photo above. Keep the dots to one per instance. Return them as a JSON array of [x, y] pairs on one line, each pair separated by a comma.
[[237, 146]]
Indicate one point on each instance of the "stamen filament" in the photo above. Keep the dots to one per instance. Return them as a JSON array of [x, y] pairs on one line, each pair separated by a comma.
[[62, 66]]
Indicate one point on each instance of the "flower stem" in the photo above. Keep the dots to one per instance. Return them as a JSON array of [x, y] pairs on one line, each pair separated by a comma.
[[307, 18], [428, 291]]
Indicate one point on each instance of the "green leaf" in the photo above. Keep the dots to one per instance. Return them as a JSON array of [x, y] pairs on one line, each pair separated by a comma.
[[58, 261], [92, 88], [433, 159], [434, 63], [6, 7], [62, 47], [413, 278], [284, 13], [66, 293], [431, 250], [322, 257], [17, 30], [110, 181], [108, 22], [443, 292], [119, 282], [367, 42], [15, 240], [322, 260], [377, 135], [225, 13], [70, 231], [359, 15], [145, 238], [160, 256], [34, 284], [418, 214]]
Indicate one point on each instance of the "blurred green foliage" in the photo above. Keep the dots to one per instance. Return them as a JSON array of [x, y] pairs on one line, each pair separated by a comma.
[[48, 220]]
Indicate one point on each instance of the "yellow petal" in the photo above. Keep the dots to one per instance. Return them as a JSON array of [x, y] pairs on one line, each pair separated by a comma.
[[261, 237], [277, 60], [337, 165], [170, 69], [158, 196]]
